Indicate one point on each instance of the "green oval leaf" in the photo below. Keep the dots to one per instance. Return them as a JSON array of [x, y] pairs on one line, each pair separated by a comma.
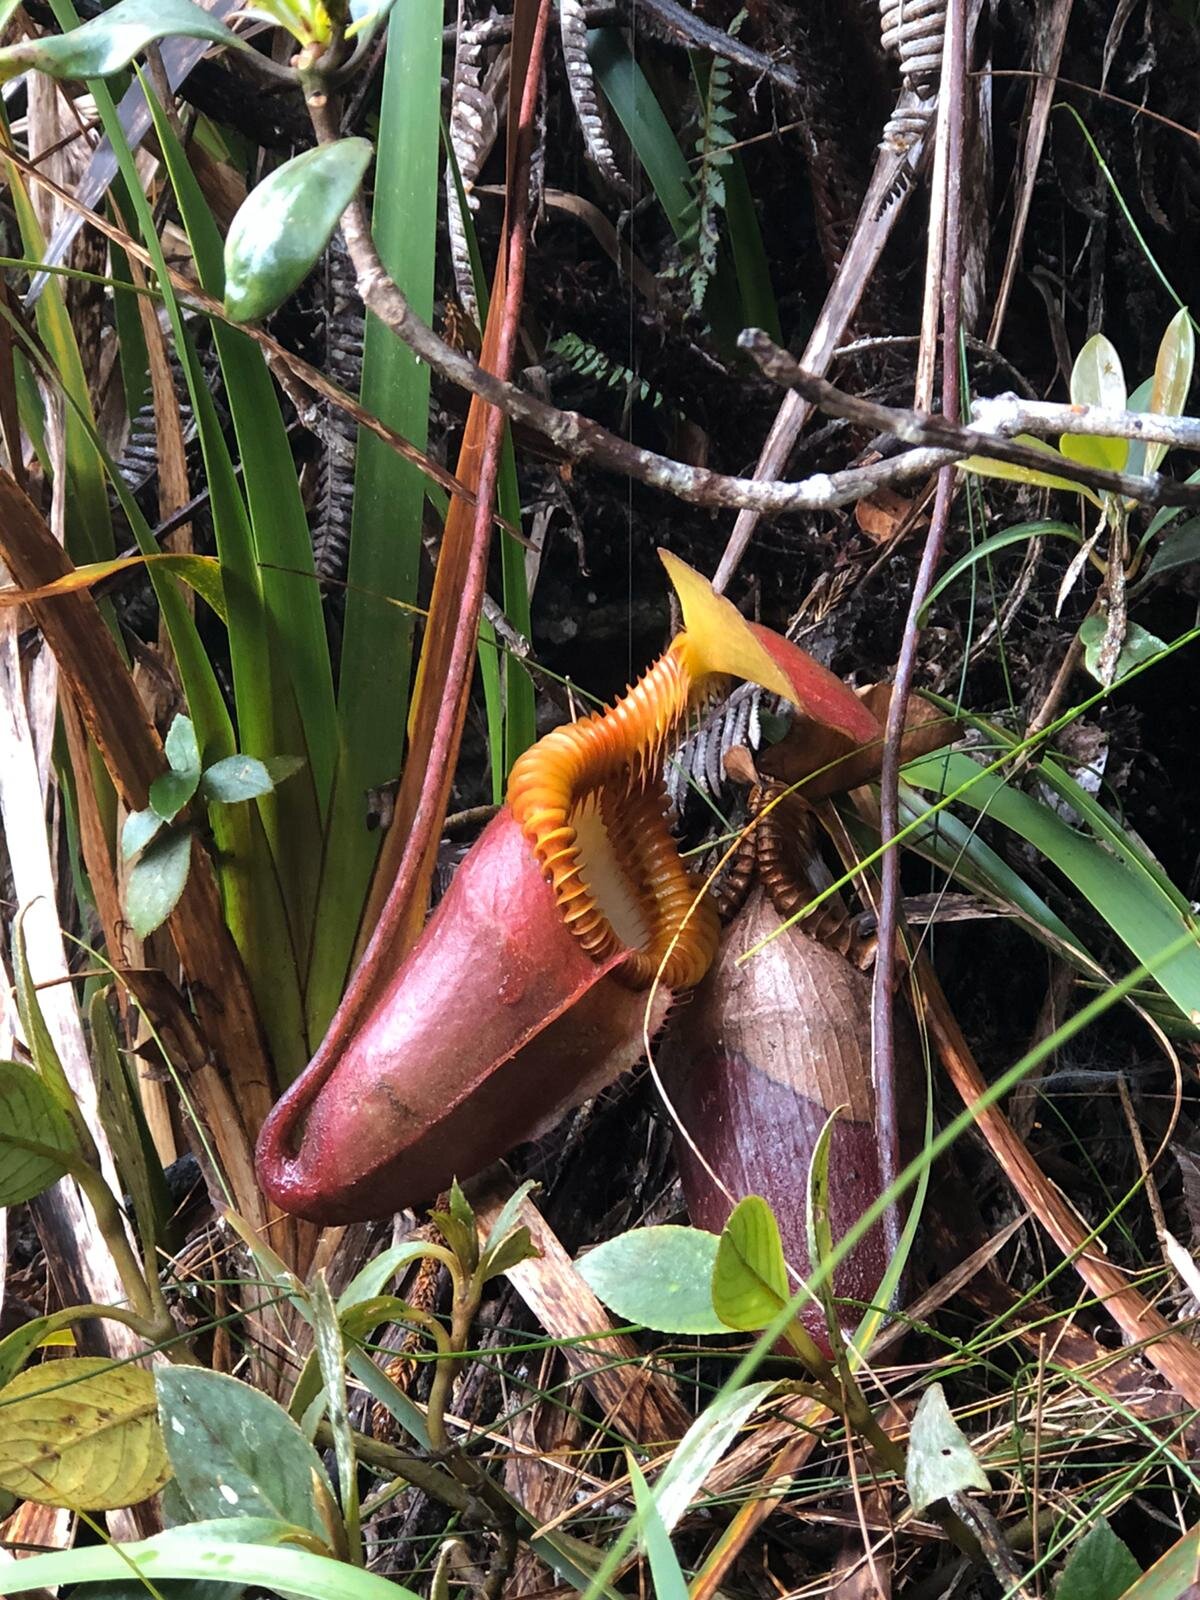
[[110, 42], [750, 1281], [140, 827], [156, 880], [1180, 548], [235, 1452], [1100, 1566], [235, 778], [285, 223], [660, 1277], [36, 1141], [81, 1433], [940, 1461]]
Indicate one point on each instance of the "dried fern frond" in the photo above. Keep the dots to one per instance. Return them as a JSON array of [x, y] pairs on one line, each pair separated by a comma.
[[478, 103], [581, 81], [342, 360], [700, 760]]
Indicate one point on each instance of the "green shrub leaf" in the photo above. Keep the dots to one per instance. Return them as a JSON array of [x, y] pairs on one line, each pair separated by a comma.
[[1100, 1567], [285, 223], [750, 1281], [235, 778], [140, 827], [110, 42], [82, 1433], [660, 1277], [156, 880], [235, 1452], [34, 1133]]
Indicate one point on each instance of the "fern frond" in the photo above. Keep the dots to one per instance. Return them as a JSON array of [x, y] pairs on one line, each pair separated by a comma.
[[702, 240], [590, 362]]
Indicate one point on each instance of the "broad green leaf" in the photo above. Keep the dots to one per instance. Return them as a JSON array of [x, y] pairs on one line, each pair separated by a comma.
[[1173, 1576], [140, 827], [667, 1574], [702, 1446], [750, 1281], [1111, 876], [1100, 1566], [110, 42], [157, 879], [235, 778], [1172, 377], [1179, 549], [660, 1277], [284, 224], [235, 1452], [985, 467], [1097, 379], [180, 747], [37, 1143], [459, 1228], [253, 1550], [81, 1433], [940, 1461], [1138, 645]]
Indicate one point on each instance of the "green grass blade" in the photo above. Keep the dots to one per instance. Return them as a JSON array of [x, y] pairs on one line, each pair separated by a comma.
[[639, 113], [1142, 916], [88, 520], [385, 540], [288, 707]]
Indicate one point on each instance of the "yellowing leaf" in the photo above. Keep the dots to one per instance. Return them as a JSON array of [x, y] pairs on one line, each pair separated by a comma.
[[81, 1433], [985, 467]]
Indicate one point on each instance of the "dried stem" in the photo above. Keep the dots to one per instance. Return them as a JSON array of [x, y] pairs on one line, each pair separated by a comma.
[[952, 102]]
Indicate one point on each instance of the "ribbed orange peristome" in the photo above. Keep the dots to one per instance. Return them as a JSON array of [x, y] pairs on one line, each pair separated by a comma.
[[614, 757]]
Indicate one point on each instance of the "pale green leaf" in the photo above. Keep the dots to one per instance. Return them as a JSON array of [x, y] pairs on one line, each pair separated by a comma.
[[940, 1461], [660, 1277], [156, 880], [702, 1446], [235, 778], [1137, 646], [140, 827]]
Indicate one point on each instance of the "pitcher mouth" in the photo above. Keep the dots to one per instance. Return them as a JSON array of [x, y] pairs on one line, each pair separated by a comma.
[[590, 800]]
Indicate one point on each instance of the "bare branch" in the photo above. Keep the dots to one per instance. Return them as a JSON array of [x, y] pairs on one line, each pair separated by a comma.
[[916, 427]]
